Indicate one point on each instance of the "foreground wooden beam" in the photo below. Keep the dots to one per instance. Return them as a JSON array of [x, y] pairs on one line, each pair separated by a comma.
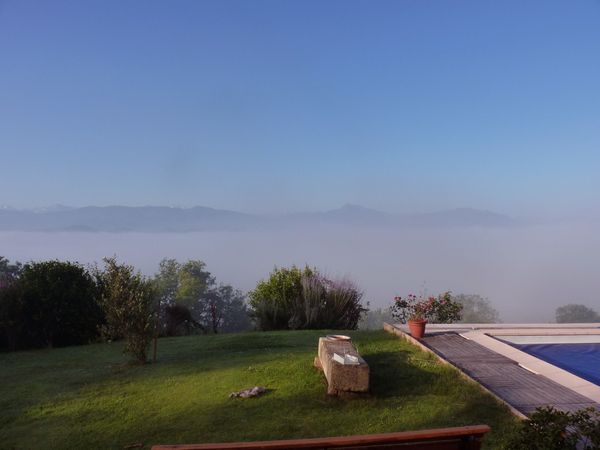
[[460, 438]]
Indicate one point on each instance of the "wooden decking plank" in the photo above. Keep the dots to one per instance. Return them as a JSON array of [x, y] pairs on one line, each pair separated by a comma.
[[522, 389]]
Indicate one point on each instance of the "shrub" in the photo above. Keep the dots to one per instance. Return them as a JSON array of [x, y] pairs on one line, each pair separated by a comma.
[[446, 309], [51, 304], [329, 304], [440, 309], [11, 317], [129, 303], [303, 299], [273, 301], [550, 429]]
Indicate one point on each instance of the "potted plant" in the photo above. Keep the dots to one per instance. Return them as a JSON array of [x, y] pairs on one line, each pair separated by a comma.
[[417, 311]]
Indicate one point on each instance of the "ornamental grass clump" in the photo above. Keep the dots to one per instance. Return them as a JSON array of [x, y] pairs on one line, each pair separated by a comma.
[[299, 299], [330, 303]]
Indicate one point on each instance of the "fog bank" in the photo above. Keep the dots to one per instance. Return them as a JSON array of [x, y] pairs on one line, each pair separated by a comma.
[[526, 272]]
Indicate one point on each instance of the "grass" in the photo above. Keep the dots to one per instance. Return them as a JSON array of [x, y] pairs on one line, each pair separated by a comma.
[[85, 397]]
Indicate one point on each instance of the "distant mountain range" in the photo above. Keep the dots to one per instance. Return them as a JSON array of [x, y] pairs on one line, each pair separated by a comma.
[[199, 218]]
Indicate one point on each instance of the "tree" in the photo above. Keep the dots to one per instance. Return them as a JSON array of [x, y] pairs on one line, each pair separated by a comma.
[[194, 284], [574, 313], [191, 300], [167, 281], [128, 300], [8, 272], [228, 310], [477, 309], [374, 319]]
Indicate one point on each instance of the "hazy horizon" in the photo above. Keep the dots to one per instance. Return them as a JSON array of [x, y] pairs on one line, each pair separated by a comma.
[[526, 272], [271, 107]]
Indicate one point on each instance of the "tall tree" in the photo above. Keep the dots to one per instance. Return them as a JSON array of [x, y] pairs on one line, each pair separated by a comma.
[[194, 283], [167, 281]]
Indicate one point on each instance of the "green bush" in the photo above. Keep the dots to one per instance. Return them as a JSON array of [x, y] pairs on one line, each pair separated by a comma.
[[50, 304], [446, 309], [11, 318], [273, 301], [303, 299], [550, 429]]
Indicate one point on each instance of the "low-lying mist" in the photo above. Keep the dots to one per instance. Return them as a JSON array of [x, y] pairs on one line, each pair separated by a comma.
[[526, 272]]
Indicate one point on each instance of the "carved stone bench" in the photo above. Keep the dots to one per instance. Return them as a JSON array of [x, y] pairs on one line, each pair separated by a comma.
[[342, 377]]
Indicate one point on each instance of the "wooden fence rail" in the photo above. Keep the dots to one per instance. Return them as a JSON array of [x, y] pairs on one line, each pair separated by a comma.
[[460, 438]]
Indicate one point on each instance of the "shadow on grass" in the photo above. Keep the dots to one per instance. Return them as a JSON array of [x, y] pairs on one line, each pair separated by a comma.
[[393, 374]]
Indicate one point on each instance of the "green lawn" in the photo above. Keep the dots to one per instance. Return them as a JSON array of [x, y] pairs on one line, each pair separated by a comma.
[[85, 397]]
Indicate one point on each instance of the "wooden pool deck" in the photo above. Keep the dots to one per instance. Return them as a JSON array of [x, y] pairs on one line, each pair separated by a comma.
[[521, 389]]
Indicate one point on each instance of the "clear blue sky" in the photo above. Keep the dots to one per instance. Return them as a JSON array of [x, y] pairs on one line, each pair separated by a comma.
[[301, 105]]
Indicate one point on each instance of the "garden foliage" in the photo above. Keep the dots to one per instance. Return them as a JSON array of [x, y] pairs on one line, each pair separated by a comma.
[[129, 303], [551, 429], [191, 300], [440, 309], [575, 313], [477, 309], [294, 298], [49, 304], [54, 303]]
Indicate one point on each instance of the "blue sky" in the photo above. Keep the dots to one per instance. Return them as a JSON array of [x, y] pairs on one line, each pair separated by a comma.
[[267, 106]]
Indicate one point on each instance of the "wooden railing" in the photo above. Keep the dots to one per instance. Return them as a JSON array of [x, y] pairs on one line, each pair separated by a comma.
[[460, 438]]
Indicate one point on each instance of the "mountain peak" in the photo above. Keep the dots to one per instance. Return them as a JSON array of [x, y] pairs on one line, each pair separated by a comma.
[[353, 207]]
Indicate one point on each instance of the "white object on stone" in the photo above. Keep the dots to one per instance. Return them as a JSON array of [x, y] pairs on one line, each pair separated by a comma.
[[347, 360]]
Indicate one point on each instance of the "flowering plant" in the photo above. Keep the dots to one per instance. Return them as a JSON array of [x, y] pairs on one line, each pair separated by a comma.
[[440, 309], [411, 308]]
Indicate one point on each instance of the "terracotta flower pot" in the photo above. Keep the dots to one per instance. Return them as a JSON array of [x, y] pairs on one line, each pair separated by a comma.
[[417, 328]]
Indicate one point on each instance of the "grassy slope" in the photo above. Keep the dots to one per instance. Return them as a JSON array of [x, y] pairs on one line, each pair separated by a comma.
[[84, 397]]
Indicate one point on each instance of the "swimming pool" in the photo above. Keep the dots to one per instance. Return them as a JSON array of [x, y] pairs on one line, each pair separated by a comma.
[[577, 354]]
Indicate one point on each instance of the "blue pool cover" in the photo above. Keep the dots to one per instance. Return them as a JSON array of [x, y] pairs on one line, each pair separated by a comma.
[[582, 360]]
